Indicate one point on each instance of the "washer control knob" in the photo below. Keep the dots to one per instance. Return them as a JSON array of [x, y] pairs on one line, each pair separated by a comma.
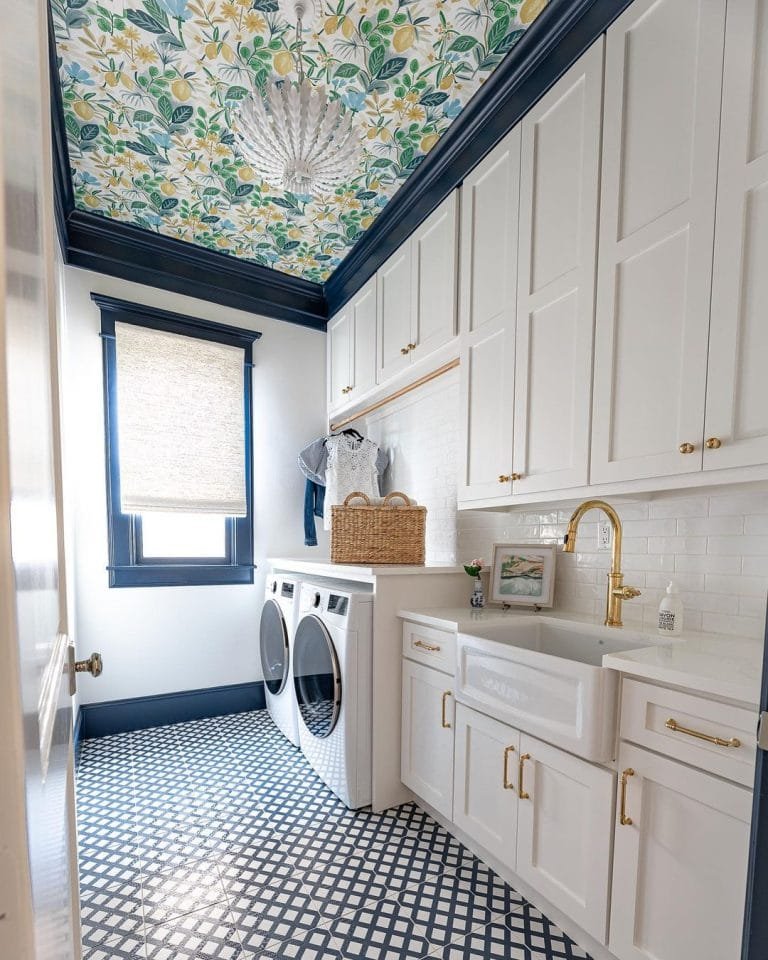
[[316, 601], [274, 586]]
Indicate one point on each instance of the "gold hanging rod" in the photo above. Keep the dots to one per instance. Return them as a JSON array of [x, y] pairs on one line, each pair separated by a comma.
[[451, 365]]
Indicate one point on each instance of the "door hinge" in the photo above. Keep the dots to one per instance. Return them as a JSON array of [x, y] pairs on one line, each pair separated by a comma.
[[762, 731]]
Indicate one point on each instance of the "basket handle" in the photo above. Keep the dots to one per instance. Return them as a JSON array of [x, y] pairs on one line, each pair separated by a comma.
[[357, 493], [395, 493]]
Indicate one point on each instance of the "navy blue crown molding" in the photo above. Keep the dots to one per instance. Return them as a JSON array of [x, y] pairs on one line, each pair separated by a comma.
[[139, 713], [558, 37]]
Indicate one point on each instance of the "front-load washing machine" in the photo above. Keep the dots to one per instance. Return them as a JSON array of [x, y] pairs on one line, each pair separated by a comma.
[[278, 622], [332, 678]]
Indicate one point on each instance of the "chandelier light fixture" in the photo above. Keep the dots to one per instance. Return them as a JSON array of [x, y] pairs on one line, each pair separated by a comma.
[[294, 137]]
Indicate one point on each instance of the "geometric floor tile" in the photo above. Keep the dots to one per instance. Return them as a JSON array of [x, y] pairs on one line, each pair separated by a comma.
[[215, 839]]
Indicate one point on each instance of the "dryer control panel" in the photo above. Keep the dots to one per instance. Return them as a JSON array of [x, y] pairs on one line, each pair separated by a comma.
[[338, 604]]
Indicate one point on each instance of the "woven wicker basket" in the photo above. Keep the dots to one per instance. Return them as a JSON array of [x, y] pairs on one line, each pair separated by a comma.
[[385, 533]]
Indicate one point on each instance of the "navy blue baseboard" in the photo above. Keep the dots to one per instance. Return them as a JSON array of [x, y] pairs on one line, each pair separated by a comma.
[[77, 734], [138, 713]]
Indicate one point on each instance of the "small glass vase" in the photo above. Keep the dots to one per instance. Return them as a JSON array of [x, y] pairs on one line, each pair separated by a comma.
[[477, 600]]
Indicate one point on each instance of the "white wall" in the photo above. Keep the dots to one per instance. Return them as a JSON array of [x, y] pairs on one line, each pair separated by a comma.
[[715, 545], [162, 639]]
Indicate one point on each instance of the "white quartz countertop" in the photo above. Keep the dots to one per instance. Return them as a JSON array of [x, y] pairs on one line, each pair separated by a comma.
[[359, 573], [722, 666]]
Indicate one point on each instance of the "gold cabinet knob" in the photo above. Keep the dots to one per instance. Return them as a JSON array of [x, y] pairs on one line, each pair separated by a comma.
[[713, 443], [686, 448], [404, 350], [411, 346], [92, 665], [505, 477], [517, 476]]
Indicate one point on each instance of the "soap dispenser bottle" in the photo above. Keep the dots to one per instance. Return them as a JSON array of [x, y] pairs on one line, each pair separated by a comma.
[[671, 612]]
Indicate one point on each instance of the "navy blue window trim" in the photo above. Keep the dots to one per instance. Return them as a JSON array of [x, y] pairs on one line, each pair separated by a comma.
[[127, 567]]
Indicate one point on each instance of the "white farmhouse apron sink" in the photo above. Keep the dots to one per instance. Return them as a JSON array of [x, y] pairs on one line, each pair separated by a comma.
[[543, 675]]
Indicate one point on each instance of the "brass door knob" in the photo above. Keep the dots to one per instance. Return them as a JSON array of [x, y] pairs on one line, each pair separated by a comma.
[[714, 443], [92, 665], [686, 448]]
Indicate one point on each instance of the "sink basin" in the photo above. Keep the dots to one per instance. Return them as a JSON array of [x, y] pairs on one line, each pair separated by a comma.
[[544, 676]]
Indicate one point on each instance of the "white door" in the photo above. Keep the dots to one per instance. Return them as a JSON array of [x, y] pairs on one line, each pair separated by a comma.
[[363, 333], [487, 293], [395, 306], [663, 73], [559, 188], [434, 252], [427, 735], [38, 887], [680, 865], [564, 832], [339, 358], [485, 777], [737, 387]]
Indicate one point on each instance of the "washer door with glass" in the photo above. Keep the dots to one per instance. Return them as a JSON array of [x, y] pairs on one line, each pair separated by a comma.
[[316, 677], [273, 644]]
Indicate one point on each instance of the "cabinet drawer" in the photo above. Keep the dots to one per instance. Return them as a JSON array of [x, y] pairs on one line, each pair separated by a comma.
[[437, 648], [678, 724]]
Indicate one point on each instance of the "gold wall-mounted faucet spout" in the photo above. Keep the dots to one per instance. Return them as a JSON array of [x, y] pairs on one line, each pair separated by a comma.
[[617, 591]]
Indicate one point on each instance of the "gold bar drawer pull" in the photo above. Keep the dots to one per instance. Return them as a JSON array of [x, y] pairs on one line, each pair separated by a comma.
[[672, 724], [508, 785], [431, 647], [444, 721]]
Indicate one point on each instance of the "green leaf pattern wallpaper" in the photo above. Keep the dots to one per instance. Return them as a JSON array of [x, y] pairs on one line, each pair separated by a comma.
[[150, 92]]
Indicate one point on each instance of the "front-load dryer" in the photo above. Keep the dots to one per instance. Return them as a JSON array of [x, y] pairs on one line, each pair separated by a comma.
[[332, 678], [278, 622]]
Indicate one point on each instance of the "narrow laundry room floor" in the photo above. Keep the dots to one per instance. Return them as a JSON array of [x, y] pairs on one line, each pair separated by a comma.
[[216, 839]]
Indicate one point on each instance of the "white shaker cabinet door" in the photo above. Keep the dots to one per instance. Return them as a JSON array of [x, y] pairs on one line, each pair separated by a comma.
[[427, 735], [564, 832], [680, 865], [339, 359], [663, 78], [363, 332], [434, 251], [485, 782], [395, 308], [736, 423], [560, 176], [488, 285]]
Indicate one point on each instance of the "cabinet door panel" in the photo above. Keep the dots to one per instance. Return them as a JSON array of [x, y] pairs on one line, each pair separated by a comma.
[[660, 138], [564, 832], [556, 283], [737, 388], [427, 745], [434, 279], [395, 306], [680, 867], [363, 332], [485, 796], [489, 206], [339, 352]]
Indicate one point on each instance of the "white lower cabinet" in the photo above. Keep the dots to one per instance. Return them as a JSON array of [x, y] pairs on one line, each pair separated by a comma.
[[564, 832], [484, 792], [427, 735], [680, 862]]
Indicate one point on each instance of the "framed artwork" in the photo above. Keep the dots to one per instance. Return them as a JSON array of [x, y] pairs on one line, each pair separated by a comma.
[[523, 574]]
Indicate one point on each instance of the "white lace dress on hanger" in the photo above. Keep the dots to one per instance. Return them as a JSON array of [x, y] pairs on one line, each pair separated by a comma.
[[351, 467]]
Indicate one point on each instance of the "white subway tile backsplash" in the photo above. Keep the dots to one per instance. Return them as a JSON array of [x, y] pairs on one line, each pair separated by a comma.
[[673, 545], [707, 564], [680, 507], [705, 526], [732, 546]]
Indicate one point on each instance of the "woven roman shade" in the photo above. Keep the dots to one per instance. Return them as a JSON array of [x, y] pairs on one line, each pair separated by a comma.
[[181, 423]]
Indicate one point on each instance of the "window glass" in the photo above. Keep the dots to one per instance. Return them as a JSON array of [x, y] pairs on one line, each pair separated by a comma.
[[183, 535]]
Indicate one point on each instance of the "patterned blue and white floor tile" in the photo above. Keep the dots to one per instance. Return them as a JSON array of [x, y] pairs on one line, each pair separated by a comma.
[[215, 839]]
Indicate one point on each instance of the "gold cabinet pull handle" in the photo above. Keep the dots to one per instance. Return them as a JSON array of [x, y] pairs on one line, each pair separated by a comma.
[[686, 448], [520, 791], [623, 818], [672, 724], [508, 785], [432, 647], [445, 722], [713, 443]]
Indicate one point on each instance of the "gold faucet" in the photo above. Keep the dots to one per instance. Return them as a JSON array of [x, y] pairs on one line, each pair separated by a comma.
[[617, 592]]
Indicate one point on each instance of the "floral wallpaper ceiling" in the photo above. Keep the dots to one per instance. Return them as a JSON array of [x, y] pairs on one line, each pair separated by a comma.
[[150, 89]]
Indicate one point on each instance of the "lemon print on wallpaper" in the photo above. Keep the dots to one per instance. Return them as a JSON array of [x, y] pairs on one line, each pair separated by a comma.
[[151, 88]]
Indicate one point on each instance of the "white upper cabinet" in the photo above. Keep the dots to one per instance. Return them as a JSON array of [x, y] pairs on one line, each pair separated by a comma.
[[339, 358], [559, 188], [352, 348], [736, 422], [434, 255], [487, 293], [663, 74], [395, 302]]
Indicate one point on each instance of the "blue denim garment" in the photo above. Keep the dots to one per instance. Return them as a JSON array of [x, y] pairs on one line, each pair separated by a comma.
[[314, 503]]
